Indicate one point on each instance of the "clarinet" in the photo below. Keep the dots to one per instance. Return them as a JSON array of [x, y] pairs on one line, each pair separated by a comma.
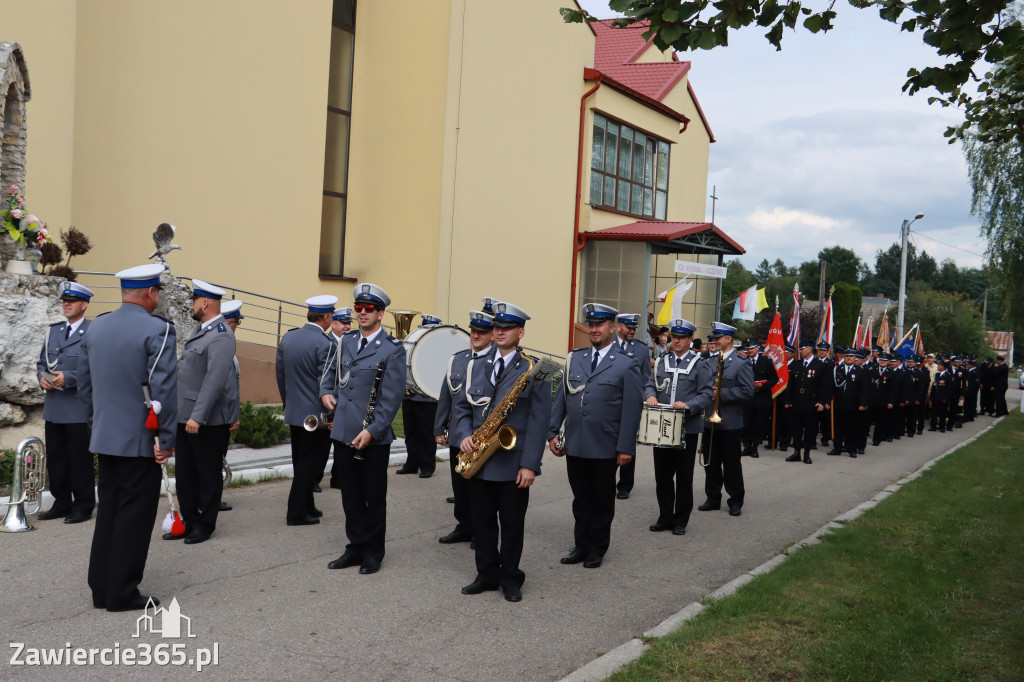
[[371, 404]]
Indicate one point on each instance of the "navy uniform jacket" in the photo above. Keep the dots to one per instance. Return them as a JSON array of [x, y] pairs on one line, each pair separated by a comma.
[[453, 390], [603, 416], [942, 387], [641, 353], [972, 382], [694, 387], [764, 370], [737, 388], [116, 358], [910, 390], [849, 392], [203, 371], [808, 385], [352, 377], [63, 406], [529, 418], [999, 377], [302, 364]]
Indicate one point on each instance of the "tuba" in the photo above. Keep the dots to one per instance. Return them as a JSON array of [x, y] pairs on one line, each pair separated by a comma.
[[28, 484], [403, 322]]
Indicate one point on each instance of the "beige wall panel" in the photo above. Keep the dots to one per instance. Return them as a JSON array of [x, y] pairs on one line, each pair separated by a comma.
[[689, 163], [209, 115], [46, 31]]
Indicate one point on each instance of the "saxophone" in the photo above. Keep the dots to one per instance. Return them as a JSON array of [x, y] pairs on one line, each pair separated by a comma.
[[494, 432]]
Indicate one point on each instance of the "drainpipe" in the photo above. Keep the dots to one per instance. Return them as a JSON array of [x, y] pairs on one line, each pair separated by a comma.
[[578, 239]]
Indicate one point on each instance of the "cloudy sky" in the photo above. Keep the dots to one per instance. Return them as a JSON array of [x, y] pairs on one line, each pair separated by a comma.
[[817, 145]]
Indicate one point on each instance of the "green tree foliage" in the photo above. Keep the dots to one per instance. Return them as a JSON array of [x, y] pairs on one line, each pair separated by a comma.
[[948, 322], [260, 427], [846, 302], [921, 271], [963, 32], [737, 278], [842, 265]]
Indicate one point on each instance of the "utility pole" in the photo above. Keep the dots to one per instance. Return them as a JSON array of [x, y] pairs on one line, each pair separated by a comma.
[[984, 310], [821, 287], [904, 238]]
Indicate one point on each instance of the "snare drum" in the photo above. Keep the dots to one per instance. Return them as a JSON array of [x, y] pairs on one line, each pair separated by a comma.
[[427, 352], [662, 426]]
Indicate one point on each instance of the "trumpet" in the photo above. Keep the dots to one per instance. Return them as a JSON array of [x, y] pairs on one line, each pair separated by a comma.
[[324, 420], [715, 418]]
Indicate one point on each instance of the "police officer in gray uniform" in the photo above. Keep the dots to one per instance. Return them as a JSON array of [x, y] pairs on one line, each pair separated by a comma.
[[682, 380], [600, 401], [365, 389], [626, 326], [723, 441], [232, 312], [68, 460], [124, 352], [500, 490], [303, 361], [205, 413], [453, 390], [418, 415]]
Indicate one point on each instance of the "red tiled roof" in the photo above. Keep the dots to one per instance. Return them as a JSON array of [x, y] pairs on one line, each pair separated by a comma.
[[660, 231], [615, 53]]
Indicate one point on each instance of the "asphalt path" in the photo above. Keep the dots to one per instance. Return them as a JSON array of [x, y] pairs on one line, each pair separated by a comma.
[[262, 592]]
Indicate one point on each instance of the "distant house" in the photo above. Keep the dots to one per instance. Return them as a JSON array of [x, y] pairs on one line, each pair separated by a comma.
[[1001, 343], [875, 306]]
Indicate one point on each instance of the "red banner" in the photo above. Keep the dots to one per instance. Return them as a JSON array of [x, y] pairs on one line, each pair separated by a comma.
[[774, 348]]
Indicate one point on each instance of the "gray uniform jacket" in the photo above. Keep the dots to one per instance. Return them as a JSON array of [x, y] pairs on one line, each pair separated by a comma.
[[58, 355], [351, 378], [302, 362], [453, 390], [639, 351], [203, 369], [737, 389], [694, 386], [529, 418], [601, 411], [122, 350]]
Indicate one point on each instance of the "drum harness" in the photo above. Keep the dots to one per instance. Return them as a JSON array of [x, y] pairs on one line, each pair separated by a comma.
[[675, 382]]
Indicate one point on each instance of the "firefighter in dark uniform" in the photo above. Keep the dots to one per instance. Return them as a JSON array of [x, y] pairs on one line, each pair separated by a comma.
[[942, 392], [849, 398], [806, 398], [757, 411]]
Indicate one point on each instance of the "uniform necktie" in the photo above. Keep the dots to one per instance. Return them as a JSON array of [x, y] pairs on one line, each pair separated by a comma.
[[67, 332], [593, 363], [499, 370], [362, 344]]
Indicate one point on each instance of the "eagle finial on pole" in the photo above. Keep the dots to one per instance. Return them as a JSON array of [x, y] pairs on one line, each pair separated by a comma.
[[162, 237]]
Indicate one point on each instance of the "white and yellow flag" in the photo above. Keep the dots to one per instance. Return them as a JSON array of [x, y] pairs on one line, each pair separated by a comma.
[[672, 309]]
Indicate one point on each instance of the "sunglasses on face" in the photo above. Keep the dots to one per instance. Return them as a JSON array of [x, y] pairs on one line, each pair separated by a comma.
[[364, 307]]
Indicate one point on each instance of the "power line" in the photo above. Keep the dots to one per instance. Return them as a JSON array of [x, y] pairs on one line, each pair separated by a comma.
[[952, 246]]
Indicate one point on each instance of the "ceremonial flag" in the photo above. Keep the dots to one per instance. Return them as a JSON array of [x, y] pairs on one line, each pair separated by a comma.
[[856, 334], [749, 303], [827, 323], [794, 324], [774, 348], [918, 343], [883, 331], [866, 341], [673, 302], [905, 348]]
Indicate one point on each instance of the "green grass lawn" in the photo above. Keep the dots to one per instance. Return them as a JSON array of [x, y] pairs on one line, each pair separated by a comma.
[[928, 585]]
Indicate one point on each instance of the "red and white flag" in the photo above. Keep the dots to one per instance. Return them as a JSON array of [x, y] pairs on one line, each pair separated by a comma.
[[774, 348]]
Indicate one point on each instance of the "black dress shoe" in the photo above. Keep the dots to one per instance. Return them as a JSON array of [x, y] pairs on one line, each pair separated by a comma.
[[659, 526], [306, 520], [833, 452], [807, 458], [51, 514], [317, 488], [140, 602], [172, 536], [195, 537], [77, 517], [754, 454], [403, 470], [513, 593], [426, 475], [710, 506], [316, 513], [577, 556], [593, 561], [795, 457], [622, 495], [860, 451], [450, 500], [679, 530], [369, 565], [345, 560], [745, 452], [478, 587], [853, 455], [455, 536], [734, 511], [224, 506]]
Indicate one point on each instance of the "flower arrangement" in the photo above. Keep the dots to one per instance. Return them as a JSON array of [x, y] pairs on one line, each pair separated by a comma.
[[25, 229]]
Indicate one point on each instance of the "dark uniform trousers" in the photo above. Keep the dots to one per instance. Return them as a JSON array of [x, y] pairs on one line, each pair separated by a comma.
[[847, 431], [779, 423], [418, 420], [627, 475], [863, 425], [69, 465], [460, 490], [310, 450], [364, 493], [803, 427], [497, 504], [129, 496], [940, 415], [910, 414], [722, 452], [756, 419], [824, 424], [673, 481], [593, 504], [198, 460]]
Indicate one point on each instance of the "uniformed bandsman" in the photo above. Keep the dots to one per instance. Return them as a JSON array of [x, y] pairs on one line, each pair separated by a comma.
[[126, 352], [232, 313], [68, 460], [341, 322], [625, 327], [364, 409], [806, 397], [303, 362], [453, 390], [600, 402], [418, 415], [722, 442], [500, 490], [205, 414], [757, 410], [683, 381]]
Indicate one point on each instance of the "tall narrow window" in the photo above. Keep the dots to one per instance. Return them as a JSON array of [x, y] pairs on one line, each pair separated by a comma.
[[339, 115]]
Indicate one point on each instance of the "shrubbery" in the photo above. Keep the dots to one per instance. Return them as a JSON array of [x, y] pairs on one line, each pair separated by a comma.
[[260, 427]]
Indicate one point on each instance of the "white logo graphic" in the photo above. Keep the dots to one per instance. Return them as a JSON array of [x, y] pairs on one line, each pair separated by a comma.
[[170, 621]]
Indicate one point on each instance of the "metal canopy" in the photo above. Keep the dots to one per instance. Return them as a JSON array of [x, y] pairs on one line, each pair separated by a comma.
[[673, 237]]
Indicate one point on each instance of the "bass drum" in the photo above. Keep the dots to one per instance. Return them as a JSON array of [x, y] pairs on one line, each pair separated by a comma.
[[427, 352]]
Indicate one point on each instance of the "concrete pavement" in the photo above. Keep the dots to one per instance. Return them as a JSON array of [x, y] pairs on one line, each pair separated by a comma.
[[262, 592]]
